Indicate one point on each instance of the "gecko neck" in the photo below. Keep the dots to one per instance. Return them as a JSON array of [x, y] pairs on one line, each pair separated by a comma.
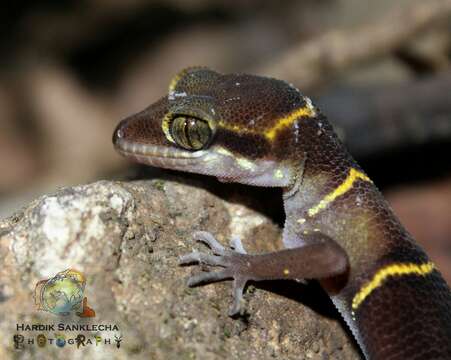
[[334, 196]]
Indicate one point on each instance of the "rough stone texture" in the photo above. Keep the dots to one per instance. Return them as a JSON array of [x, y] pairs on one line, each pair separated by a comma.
[[126, 238]]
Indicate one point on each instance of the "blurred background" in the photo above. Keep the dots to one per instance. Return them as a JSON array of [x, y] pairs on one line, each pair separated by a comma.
[[380, 70]]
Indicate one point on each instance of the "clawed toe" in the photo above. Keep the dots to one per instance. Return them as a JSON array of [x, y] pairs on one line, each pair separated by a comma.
[[210, 240], [201, 258], [237, 245], [230, 260], [208, 277]]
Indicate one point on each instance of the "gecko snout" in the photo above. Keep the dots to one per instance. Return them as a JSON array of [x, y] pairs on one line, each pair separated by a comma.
[[118, 133]]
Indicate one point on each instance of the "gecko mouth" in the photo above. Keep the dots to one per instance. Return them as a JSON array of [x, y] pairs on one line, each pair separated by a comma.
[[216, 162], [157, 155]]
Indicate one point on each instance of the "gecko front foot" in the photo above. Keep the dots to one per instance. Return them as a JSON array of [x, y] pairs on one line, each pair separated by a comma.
[[234, 263]]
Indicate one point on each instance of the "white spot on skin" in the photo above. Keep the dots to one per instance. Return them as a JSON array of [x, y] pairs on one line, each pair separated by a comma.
[[358, 201], [296, 132], [258, 118], [309, 104], [236, 98], [245, 164], [294, 87], [223, 151], [278, 174], [237, 84], [172, 95]]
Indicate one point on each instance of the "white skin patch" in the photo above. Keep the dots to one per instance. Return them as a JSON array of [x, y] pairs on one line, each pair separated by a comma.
[[222, 151], [278, 174], [309, 104], [245, 164], [296, 132], [172, 95], [236, 98]]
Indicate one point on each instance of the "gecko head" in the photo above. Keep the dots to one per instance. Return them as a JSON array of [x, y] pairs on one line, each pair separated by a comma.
[[239, 128]]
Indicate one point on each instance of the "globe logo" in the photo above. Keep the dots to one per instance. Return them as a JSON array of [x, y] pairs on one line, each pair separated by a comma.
[[63, 294]]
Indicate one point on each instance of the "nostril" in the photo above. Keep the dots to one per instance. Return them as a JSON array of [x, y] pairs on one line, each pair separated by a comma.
[[118, 133]]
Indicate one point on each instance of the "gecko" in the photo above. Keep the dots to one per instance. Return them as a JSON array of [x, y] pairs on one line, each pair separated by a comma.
[[339, 230]]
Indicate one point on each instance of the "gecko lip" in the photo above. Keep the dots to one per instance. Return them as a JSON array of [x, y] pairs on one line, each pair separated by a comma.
[[145, 153]]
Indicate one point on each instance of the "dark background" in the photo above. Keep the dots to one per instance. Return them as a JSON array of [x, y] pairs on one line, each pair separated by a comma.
[[380, 70]]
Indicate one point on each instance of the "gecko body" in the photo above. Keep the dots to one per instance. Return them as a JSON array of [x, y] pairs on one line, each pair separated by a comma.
[[338, 229]]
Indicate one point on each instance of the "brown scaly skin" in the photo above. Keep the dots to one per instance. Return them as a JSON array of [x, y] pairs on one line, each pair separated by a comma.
[[338, 228]]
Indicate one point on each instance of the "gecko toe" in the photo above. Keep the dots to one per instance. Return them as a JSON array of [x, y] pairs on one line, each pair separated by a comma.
[[208, 277], [209, 239], [201, 258], [237, 245], [233, 262]]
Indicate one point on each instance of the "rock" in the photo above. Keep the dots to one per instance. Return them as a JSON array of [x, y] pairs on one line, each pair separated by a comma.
[[126, 238]]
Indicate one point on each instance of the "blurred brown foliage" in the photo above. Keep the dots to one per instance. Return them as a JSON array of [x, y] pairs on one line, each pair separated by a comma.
[[72, 69]]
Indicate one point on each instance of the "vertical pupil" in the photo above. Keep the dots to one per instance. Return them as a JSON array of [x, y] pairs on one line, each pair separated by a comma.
[[194, 135], [186, 129]]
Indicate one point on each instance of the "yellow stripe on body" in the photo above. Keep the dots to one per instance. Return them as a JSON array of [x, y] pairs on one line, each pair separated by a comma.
[[340, 190], [392, 270], [289, 120], [281, 123]]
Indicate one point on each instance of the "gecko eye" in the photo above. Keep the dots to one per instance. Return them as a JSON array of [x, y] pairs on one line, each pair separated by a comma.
[[190, 133]]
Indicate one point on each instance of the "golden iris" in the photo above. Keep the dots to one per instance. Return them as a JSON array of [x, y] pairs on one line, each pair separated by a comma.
[[190, 133]]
